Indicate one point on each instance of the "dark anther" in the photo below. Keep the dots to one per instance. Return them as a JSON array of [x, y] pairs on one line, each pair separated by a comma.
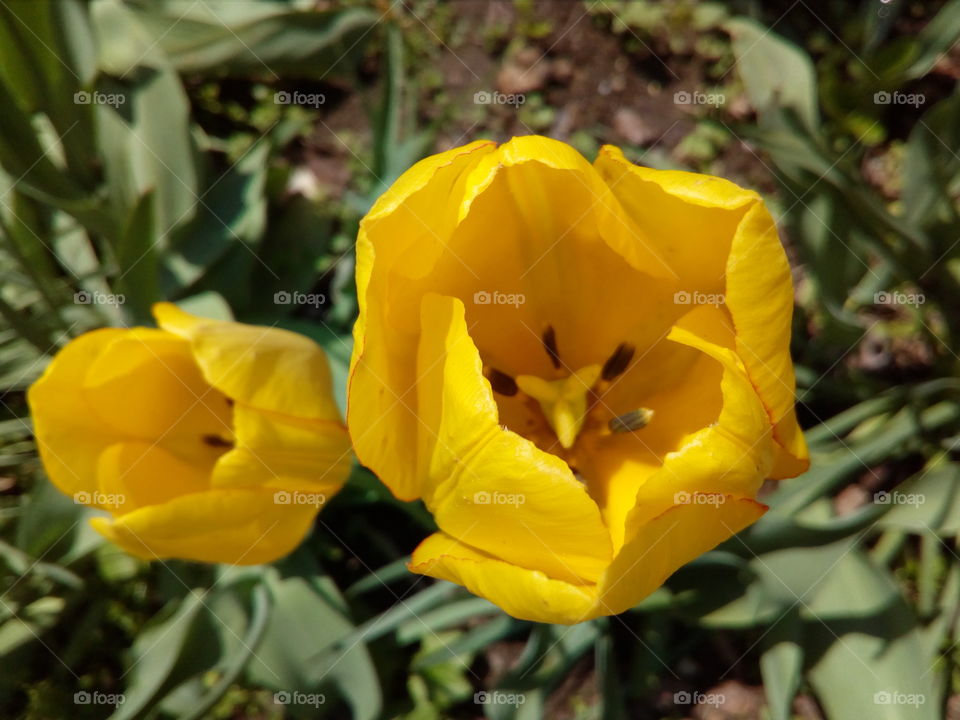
[[550, 345], [618, 362], [502, 383], [633, 420], [217, 441]]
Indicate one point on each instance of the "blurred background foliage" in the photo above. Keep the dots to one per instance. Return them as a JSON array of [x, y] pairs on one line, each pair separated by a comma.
[[205, 187]]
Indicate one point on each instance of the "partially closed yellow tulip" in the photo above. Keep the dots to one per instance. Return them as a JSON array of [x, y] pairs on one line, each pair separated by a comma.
[[204, 440], [582, 369]]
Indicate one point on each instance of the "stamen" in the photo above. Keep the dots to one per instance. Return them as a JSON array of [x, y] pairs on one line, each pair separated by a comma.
[[633, 420], [502, 383], [216, 441], [550, 345], [618, 362]]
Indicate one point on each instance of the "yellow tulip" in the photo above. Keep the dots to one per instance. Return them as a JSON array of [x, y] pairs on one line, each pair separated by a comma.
[[582, 370], [205, 440]]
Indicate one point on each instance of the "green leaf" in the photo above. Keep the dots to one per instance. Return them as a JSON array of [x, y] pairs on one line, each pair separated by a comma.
[[137, 260], [444, 618], [177, 644], [781, 665], [775, 72], [936, 39], [464, 646], [260, 38], [927, 502], [879, 666], [286, 663], [215, 248], [931, 169]]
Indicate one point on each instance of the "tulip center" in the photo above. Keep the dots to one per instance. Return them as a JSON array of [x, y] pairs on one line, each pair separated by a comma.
[[572, 405], [564, 402]]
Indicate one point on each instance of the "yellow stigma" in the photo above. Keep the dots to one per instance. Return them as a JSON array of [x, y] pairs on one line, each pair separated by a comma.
[[564, 401]]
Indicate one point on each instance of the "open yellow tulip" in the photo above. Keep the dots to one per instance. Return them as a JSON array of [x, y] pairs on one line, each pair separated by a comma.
[[205, 440], [582, 369]]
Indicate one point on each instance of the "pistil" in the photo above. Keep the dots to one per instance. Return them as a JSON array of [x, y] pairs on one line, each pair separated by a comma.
[[564, 402]]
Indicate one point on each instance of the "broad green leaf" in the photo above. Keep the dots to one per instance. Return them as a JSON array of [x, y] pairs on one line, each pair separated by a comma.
[[775, 72], [177, 644], [781, 665], [879, 667], [287, 664], [260, 38], [927, 502]]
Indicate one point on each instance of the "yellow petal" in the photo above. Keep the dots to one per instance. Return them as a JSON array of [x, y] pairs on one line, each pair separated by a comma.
[[135, 474], [489, 487], [68, 441], [536, 225], [244, 527], [524, 594], [759, 297], [146, 386], [280, 452], [266, 368], [664, 543], [721, 240], [689, 218], [401, 235], [732, 455], [536, 153]]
